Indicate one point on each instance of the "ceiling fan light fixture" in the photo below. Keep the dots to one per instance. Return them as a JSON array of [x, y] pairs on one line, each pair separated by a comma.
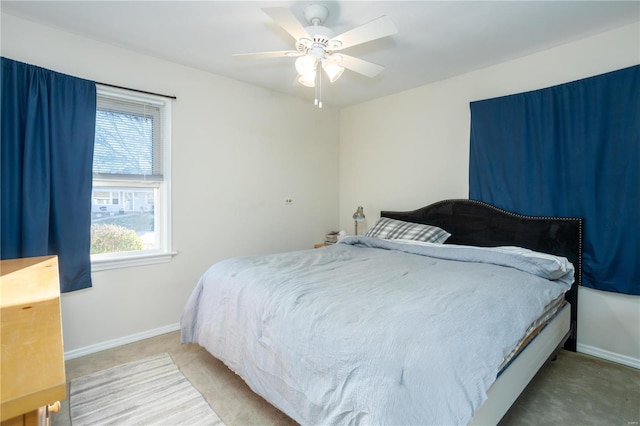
[[308, 80], [306, 65], [333, 70]]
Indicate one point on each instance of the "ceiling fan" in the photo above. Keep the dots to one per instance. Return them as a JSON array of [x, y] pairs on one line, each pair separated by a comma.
[[317, 45]]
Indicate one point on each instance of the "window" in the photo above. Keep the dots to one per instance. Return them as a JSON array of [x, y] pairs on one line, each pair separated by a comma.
[[130, 217]]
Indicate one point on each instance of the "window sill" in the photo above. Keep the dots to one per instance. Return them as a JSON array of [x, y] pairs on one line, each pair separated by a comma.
[[130, 260]]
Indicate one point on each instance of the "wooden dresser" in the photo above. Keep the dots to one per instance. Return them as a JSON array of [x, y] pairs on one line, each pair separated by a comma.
[[33, 374]]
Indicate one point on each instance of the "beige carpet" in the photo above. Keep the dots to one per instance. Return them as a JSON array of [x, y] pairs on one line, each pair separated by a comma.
[[574, 390], [151, 391]]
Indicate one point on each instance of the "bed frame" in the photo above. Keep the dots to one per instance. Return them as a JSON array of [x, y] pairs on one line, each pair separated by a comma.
[[476, 223]]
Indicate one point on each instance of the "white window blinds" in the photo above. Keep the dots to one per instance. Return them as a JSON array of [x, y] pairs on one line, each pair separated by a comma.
[[128, 142]]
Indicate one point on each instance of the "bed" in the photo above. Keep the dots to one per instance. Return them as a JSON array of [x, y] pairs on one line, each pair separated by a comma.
[[446, 324]]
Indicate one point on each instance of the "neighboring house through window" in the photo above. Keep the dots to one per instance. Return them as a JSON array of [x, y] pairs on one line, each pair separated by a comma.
[[130, 206]]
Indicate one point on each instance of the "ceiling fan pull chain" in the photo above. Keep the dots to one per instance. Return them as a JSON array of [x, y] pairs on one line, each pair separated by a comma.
[[319, 85], [315, 87]]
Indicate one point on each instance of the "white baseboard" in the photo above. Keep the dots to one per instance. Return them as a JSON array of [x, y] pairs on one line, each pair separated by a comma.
[[609, 356], [76, 353]]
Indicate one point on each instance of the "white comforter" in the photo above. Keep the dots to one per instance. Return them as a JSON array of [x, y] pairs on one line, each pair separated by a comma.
[[371, 331]]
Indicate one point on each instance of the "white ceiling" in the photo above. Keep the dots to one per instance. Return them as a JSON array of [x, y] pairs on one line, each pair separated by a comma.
[[435, 39]]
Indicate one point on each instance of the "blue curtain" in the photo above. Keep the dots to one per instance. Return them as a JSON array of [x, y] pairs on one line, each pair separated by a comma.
[[569, 150], [48, 132]]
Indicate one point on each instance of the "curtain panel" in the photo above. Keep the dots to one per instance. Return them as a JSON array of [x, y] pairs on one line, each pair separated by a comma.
[[48, 132], [569, 150]]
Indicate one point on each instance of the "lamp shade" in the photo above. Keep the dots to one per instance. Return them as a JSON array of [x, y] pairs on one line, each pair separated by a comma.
[[333, 70], [308, 80], [306, 65], [358, 216]]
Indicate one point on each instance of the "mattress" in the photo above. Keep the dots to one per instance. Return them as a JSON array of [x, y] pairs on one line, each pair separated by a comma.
[[534, 329]]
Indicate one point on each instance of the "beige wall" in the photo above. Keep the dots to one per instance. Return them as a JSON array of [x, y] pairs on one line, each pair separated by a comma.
[[407, 150], [238, 152]]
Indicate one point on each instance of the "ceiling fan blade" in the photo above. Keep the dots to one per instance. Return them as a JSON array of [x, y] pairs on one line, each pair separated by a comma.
[[378, 28], [286, 19], [267, 55], [360, 66]]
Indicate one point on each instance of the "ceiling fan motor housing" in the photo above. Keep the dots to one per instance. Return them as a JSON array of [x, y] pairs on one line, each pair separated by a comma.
[[320, 36]]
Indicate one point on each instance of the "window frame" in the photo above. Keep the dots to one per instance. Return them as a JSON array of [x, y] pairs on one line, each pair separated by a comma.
[[162, 205]]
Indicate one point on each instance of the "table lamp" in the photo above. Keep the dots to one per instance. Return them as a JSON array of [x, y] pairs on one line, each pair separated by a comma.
[[358, 216]]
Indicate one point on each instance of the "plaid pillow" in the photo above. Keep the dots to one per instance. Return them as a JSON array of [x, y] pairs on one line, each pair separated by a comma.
[[390, 229]]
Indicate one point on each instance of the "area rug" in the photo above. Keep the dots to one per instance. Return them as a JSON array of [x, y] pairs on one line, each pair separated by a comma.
[[151, 391]]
